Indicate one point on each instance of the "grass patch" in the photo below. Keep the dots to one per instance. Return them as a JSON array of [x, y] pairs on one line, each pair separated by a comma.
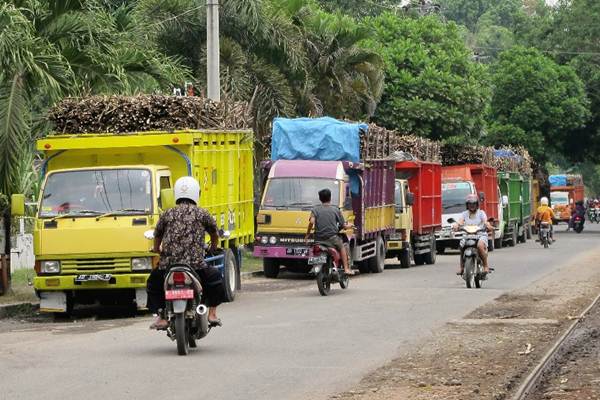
[[250, 263], [19, 288]]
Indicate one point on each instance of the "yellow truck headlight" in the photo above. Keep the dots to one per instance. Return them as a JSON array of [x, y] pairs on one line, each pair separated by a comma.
[[141, 263], [273, 240], [264, 240], [50, 267]]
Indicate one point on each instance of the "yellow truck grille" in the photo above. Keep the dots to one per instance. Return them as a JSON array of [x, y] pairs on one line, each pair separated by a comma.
[[96, 265]]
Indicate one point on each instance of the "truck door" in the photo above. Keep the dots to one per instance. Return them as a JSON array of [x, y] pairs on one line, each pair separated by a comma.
[[163, 179]]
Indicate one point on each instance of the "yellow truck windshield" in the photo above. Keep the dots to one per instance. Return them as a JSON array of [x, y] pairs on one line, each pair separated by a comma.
[[298, 193], [97, 192]]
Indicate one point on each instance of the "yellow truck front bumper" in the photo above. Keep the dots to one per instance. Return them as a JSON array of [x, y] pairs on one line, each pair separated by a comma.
[[67, 282]]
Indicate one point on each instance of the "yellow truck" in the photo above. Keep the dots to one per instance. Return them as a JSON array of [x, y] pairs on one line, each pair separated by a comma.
[[101, 192]]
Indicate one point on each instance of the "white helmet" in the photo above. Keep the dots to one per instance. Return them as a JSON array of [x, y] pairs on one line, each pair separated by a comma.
[[544, 201], [187, 188]]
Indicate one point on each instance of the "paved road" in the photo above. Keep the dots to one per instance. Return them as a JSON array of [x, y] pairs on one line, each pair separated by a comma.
[[287, 344]]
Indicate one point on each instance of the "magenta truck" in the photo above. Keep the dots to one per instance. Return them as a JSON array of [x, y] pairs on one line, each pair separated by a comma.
[[363, 190]]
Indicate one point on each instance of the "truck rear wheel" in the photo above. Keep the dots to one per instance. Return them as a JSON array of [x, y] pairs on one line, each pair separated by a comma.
[[498, 243], [429, 258], [377, 263], [419, 259], [404, 258], [271, 267], [230, 275], [514, 237]]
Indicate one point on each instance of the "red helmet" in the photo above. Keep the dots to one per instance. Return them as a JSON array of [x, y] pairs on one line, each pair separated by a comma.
[[472, 199]]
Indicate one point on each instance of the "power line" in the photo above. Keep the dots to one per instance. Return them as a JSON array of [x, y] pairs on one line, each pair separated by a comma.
[[174, 17], [588, 53]]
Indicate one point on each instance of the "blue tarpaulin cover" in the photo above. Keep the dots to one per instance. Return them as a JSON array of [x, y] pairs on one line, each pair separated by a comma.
[[325, 139], [503, 153], [557, 180]]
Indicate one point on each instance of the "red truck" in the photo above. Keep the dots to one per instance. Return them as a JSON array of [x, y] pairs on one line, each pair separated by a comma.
[[418, 198], [458, 181]]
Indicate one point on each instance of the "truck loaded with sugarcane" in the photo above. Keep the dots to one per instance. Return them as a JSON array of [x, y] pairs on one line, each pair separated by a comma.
[[107, 175]]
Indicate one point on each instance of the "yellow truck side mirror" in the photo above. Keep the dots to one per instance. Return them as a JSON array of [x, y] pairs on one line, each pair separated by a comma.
[[17, 205], [167, 199]]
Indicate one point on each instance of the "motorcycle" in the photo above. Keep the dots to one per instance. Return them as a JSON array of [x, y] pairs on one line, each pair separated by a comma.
[[578, 223], [597, 215], [187, 316], [545, 234], [328, 268], [592, 214], [473, 273]]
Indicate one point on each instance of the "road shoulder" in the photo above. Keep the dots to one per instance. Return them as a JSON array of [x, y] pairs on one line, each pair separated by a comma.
[[486, 354]]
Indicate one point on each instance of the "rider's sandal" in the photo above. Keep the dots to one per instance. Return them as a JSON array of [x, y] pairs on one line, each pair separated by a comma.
[[351, 273], [215, 323]]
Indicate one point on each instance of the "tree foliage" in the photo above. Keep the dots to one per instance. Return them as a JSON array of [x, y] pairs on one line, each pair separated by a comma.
[[536, 102], [432, 88]]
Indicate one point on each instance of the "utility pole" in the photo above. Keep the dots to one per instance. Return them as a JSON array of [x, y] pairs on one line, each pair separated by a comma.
[[213, 67]]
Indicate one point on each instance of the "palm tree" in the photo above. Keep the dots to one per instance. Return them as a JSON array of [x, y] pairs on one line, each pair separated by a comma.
[[53, 48], [348, 76]]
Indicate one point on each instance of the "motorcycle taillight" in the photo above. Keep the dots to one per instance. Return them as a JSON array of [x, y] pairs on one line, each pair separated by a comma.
[[178, 278], [316, 250]]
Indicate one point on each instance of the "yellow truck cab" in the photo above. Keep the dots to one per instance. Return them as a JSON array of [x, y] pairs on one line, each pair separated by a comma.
[[399, 242], [101, 192]]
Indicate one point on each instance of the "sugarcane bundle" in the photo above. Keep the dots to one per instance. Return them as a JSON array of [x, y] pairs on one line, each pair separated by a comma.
[[379, 142], [123, 114], [513, 159], [456, 154]]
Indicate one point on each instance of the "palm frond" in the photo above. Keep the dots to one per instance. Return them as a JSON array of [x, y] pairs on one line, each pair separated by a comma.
[[14, 128]]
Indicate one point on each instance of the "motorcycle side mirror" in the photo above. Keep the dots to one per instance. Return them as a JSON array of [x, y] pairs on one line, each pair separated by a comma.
[[149, 234], [451, 220]]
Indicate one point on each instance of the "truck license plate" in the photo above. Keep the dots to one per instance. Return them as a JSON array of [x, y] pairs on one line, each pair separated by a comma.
[[298, 251], [317, 260], [93, 278], [182, 294]]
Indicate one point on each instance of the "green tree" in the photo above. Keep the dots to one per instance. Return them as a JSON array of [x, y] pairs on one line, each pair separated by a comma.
[[433, 88], [536, 102]]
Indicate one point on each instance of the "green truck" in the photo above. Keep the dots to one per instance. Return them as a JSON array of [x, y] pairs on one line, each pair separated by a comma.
[[516, 200]]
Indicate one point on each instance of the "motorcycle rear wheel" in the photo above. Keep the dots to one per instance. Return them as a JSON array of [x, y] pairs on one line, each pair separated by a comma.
[[181, 335], [323, 283]]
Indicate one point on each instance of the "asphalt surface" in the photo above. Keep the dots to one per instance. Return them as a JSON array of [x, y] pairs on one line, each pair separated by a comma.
[[279, 341]]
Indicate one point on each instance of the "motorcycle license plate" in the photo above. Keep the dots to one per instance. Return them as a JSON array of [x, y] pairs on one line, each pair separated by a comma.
[[93, 278], [298, 251], [181, 294], [317, 260]]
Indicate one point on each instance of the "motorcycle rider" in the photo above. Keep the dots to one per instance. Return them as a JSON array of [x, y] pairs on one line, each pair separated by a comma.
[[327, 220], [179, 239], [545, 214], [578, 212], [475, 216]]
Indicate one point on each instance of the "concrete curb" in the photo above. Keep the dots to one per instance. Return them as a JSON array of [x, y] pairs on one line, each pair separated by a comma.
[[14, 309]]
